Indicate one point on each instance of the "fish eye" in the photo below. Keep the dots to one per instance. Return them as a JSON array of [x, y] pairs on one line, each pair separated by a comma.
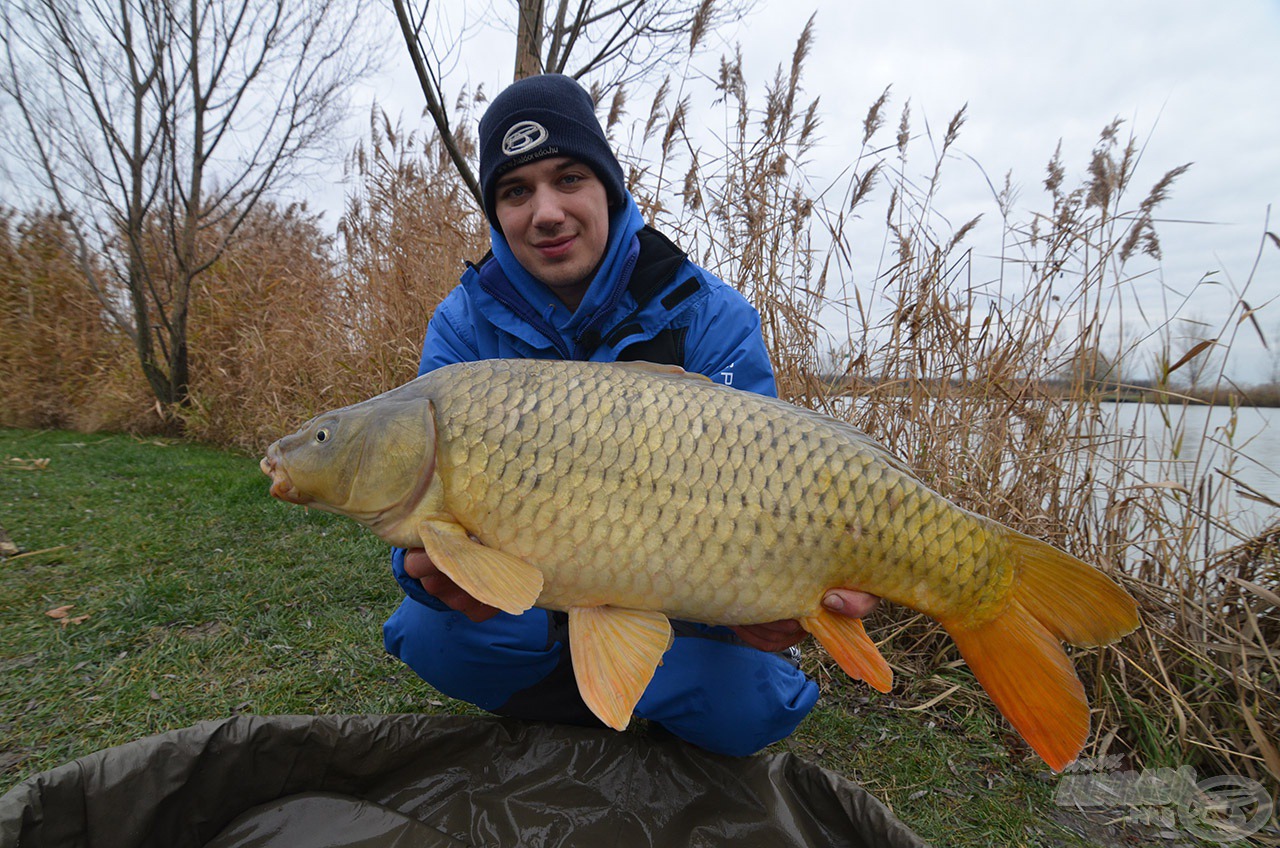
[[322, 435]]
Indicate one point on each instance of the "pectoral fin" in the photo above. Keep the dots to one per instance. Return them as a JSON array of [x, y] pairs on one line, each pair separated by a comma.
[[848, 643], [486, 574], [615, 653]]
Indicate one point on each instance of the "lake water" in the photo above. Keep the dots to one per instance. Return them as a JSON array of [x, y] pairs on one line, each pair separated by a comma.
[[1213, 443]]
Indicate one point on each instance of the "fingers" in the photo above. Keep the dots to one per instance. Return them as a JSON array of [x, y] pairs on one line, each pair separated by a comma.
[[438, 584], [850, 602], [772, 636], [780, 635], [417, 564]]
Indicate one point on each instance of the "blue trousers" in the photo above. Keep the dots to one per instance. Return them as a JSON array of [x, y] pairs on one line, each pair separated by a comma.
[[710, 690]]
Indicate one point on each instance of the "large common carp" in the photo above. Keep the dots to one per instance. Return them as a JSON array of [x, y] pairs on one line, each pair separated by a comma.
[[627, 493]]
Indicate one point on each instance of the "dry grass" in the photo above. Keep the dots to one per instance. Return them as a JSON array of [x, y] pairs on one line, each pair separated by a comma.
[[282, 331], [988, 384], [263, 350], [988, 377], [61, 365]]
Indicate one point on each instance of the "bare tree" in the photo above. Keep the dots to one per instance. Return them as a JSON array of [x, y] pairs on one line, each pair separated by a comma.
[[615, 43], [158, 125]]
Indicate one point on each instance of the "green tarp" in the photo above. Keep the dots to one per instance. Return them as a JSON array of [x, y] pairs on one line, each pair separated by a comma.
[[430, 781]]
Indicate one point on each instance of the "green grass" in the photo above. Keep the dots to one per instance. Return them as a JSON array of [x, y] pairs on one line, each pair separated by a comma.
[[957, 779], [206, 598]]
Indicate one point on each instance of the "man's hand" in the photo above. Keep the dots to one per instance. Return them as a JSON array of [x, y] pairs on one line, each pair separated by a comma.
[[420, 567], [779, 635]]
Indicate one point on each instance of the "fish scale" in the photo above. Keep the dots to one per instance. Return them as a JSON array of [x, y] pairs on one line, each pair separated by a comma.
[[702, 489], [627, 493]]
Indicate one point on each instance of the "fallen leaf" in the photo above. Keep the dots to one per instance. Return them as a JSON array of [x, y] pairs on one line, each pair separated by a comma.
[[79, 619], [934, 700], [35, 464], [1261, 591], [59, 612], [7, 547]]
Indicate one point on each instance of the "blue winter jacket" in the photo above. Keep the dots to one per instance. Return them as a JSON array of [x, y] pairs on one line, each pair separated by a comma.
[[671, 311]]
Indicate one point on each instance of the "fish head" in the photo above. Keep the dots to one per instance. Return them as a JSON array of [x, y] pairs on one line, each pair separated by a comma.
[[371, 461]]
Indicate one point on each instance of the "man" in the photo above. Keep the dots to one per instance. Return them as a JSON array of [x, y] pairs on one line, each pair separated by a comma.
[[575, 274]]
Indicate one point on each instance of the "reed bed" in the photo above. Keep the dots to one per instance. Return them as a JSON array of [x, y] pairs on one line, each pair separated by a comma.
[[989, 371], [61, 363], [988, 374]]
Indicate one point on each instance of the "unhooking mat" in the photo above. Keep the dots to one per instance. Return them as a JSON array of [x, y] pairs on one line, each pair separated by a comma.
[[434, 782]]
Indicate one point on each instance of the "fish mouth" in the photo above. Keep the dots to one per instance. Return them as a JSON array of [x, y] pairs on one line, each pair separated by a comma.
[[282, 486]]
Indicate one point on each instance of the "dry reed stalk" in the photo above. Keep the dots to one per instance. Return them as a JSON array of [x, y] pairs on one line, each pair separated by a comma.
[[60, 363], [748, 217], [992, 384], [408, 232]]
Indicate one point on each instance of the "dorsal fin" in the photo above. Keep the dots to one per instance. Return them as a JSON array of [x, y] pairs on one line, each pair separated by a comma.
[[667, 370]]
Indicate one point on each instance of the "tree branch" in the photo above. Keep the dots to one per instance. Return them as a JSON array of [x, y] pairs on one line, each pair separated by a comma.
[[434, 106]]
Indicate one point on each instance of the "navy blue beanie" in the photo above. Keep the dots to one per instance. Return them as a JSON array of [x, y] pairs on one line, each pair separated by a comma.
[[540, 116]]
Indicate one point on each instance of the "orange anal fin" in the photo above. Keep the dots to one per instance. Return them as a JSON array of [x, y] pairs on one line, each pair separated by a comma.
[[615, 652], [848, 643], [1030, 678], [486, 574]]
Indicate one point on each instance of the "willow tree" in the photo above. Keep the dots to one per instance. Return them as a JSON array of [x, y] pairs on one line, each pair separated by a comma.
[[156, 127]]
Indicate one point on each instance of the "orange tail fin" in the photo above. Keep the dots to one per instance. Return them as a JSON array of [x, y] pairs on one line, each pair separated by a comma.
[[1018, 658]]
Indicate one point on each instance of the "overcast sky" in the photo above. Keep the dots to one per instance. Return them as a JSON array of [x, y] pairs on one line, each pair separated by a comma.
[[1196, 81]]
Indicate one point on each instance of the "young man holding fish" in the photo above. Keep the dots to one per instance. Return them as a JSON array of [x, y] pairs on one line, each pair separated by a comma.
[[576, 274]]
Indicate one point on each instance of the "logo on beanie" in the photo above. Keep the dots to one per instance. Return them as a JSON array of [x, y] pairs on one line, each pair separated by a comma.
[[523, 136]]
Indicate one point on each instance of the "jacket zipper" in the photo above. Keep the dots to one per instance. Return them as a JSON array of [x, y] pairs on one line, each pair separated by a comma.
[[528, 314]]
